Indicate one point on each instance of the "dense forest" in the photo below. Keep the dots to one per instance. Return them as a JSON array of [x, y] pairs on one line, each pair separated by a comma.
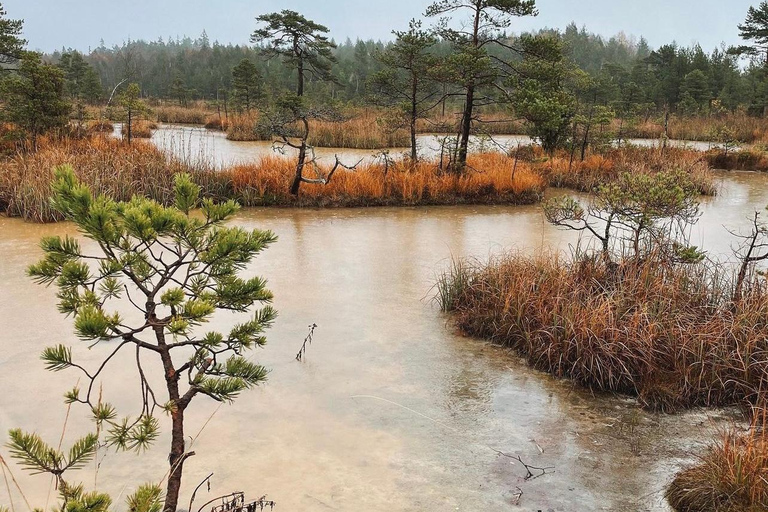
[[685, 79]]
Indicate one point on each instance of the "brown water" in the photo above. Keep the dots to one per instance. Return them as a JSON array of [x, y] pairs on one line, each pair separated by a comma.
[[197, 144], [391, 410]]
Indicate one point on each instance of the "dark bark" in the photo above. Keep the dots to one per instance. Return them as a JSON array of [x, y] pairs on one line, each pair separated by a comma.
[[469, 106], [296, 185], [414, 116], [300, 85]]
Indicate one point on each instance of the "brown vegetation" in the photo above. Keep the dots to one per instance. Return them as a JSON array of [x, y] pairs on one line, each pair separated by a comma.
[[267, 182], [217, 122], [732, 476], [561, 171], [181, 115], [245, 127], [140, 129], [667, 333], [367, 131], [744, 128], [107, 165], [111, 166]]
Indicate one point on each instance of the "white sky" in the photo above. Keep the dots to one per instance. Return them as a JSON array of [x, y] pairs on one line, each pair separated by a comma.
[[80, 24]]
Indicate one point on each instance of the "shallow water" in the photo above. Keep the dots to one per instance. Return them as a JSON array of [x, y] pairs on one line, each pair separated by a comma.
[[391, 410], [197, 144]]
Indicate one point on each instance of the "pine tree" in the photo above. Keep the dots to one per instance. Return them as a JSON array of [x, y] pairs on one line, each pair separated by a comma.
[[179, 90], [247, 88], [133, 109], [301, 42], [11, 44], [34, 97], [35, 455], [474, 68], [175, 270], [755, 30], [408, 79]]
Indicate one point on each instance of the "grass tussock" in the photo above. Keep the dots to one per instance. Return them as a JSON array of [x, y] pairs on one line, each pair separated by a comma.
[[744, 128], [366, 131], [181, 115], [106, 164], [667, 334], [245, 127], [741, 160], [362, 131], [140, 130], [597, 169], [217, 122], [266, 183], [732, 476], [101, 127]]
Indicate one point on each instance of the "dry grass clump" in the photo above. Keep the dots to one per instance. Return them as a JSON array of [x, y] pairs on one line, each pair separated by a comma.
[[744, 128], [107, 165], [140, 129], [217, 122], [741, 160], [732, 476], [181, 115], [101, 127], [597, 169], [667, 333], [366, 131], [267, 181], [245, 127]]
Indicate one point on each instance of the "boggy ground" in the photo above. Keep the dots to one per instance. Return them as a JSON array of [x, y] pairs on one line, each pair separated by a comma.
[[121, 170]]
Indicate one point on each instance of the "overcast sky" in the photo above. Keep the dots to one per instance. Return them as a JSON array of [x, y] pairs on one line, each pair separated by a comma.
[[81, 24]]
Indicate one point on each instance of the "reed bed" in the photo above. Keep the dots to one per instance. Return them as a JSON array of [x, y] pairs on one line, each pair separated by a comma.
[[596, 169], [181, 115], [112, 167], [367, 131], [267, 181], [217, 122], [732, 476], [101, 127], [108, 165], [667, 334], [140, 130], [744, 128], [245, 127], [741, 160]]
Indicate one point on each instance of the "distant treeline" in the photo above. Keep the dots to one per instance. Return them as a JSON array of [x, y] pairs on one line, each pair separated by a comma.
[[629, 72]]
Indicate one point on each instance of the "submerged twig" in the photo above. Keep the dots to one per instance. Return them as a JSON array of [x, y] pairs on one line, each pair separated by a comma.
[[307, 341], [530, 475]]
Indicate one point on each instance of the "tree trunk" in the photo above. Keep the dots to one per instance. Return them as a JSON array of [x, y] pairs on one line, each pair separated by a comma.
[[130, 124], [469, 106], [466, 128], [176, 459], [414, 117], [300, 85], [296, 185]]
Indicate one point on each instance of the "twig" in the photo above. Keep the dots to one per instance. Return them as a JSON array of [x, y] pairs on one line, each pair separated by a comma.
[[307, 341], [530, 475], [194, 493]]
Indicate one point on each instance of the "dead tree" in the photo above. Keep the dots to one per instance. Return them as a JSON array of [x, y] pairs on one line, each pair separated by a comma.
[[753, 249]]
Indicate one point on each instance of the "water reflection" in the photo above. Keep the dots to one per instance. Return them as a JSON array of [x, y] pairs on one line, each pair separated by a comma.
[[196, 144]]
